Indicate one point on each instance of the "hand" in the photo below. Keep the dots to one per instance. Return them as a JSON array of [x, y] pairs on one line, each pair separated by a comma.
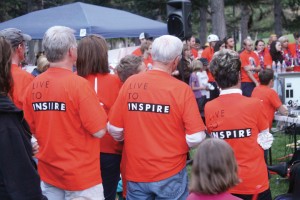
[[35, 148]]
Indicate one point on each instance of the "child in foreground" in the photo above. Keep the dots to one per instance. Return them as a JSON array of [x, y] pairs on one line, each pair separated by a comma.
[[212, 176]]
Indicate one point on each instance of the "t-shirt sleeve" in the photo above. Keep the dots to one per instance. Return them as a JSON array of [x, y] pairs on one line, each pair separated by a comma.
[[191, 117], [92, 115], [116, 112], [274, 99], [263, 123]]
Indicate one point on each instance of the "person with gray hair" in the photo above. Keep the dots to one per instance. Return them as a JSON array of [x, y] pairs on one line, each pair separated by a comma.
[[242, 123], [21, 78], [157, 117], [64, 113]]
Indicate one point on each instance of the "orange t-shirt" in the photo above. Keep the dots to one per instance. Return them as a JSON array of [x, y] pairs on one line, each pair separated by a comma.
[[267, 58], [270, 100], [156, 111], [107, 91], [247, 57], [21, 80], [137, 52], [208, 53], [63, 112], [238, 120], [292, 48], [194, 52]]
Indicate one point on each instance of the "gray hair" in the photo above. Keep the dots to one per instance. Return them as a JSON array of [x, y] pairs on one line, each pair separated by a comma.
[[282, 39], [166, 48], [57, 41]]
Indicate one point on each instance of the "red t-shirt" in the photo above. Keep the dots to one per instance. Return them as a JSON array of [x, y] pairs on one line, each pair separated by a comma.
[[107, 92], [137, 52], [21, 80], [293, 48], [63, 112], [270, 100], [238, 120], [194, 52], [247, 57], [208, 53], [156, 111]]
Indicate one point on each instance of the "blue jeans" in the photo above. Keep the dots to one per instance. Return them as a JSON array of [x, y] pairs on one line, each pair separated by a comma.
[[175, 188]]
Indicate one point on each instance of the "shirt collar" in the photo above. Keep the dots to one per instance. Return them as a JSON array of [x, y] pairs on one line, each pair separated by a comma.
[[231, 91]]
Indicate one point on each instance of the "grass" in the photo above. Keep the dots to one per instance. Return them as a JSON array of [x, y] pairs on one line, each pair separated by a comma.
[[279, 150]]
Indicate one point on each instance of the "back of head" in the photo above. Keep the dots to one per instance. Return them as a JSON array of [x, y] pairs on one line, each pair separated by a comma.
[[128, 66], [6, 81], [14, 36], [166, 48], [266, 76], [218, 45], [92, 56], [216, 173], [225, 67], [42, 63], [294, 185], [57, 41], [196, 65]]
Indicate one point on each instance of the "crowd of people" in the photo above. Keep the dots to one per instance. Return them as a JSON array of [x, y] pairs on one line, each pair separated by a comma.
[[88, 128]]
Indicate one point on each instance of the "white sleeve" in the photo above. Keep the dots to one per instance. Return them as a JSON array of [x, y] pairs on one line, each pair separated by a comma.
[[194, 139], [115, 132], [265, 139]]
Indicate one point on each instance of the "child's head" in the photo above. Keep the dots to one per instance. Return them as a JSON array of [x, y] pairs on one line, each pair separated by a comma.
[[266, 76], [214, 168], [196, 65]]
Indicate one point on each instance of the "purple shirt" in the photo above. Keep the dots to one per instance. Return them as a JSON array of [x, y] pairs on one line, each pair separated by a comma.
[[222, 196], [194, 79]]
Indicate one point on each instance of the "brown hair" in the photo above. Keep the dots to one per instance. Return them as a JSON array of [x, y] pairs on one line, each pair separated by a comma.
[[6, 80], [92, 56], [214, 168], [266, 76], [128, 66], [145, 46]]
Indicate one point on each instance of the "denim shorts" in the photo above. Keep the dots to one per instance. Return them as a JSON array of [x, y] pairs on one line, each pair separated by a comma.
[[173, 188]]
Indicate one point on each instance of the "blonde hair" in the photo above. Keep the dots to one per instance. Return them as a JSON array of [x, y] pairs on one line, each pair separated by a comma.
[[283, 39], [196, 65], [42, 63], [214, 168]]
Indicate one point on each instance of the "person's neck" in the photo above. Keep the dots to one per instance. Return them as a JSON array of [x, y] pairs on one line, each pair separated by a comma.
[[15, 59], [65, 64], [162, 67]]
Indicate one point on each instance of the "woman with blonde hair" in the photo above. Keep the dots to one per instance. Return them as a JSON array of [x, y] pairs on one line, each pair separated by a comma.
[[214, 171]]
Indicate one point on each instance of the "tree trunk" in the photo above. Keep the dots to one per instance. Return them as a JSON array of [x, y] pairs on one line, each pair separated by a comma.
[[203, 24], [245, 16], [277, 17], [218, 18]]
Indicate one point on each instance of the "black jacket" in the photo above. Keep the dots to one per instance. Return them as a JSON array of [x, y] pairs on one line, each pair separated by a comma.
[[19, 179]]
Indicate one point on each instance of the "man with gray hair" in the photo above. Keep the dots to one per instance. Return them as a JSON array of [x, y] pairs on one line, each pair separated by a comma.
[[241, 122], [65, 115], [21, 78], [157, 117]]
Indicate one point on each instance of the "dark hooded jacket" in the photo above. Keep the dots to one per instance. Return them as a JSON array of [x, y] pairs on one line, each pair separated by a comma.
[[19, 179]]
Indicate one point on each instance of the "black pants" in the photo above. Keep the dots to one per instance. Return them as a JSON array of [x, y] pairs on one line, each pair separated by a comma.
[[110, 172], [247, 88], [265, 195]]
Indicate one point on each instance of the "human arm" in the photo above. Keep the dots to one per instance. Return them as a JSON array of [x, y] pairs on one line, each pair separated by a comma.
[[115, 132], [194, 139], [253, 79], [100, 133], [283, 110]]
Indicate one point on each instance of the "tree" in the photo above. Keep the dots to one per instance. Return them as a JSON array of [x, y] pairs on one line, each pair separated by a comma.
[[245, 16], [278, 17], [218, 18]]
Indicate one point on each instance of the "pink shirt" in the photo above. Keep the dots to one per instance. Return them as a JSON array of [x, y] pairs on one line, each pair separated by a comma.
[[222, 196]]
